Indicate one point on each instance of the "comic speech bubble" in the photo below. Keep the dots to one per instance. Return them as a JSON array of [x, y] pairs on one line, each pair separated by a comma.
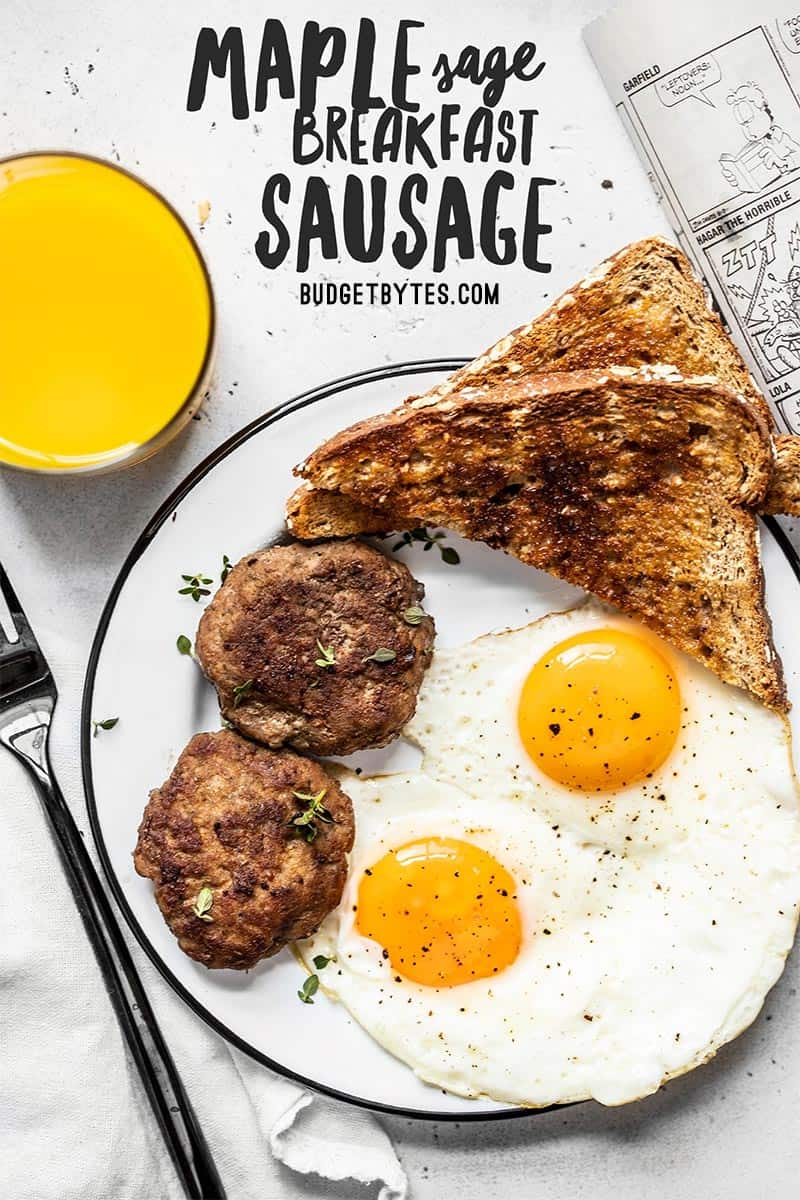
[[789, 32], [689, 82]]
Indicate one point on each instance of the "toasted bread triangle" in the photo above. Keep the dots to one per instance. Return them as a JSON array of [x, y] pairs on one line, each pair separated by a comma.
[[638, 485], [641, 306]]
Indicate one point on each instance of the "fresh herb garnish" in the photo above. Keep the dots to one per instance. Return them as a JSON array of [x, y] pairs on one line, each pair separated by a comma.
[[315, 810], [227, 567], [327, 656], [183, 644], [202, 903], [308, 989], [414, 615], [311, 984], [429, 540], [381, 655], [240, 691], [195, 586], [109, 723]]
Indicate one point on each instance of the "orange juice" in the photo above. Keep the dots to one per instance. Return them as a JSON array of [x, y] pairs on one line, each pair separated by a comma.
[[106, 315]]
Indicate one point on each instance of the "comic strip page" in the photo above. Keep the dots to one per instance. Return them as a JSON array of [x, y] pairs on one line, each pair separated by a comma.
[[715, 116]]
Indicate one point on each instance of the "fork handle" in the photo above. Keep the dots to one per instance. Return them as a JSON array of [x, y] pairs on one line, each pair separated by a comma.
[[165, 1091]]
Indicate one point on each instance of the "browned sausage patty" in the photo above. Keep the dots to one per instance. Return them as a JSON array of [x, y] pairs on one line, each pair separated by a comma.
[[226, 821], [289, 639]]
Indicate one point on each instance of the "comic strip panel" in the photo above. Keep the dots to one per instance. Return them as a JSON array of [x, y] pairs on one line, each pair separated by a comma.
[[760, 275], [725, 127]]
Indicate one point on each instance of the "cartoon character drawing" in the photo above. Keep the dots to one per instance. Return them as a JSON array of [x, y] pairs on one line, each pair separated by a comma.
[[768, 151], [784, 336], [769, 305]]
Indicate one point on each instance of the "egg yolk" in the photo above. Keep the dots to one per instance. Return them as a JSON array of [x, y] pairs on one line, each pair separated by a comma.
[[601, 710], [444, 911]]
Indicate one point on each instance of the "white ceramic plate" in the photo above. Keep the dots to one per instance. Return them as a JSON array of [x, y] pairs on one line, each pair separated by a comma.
[[232, 503]]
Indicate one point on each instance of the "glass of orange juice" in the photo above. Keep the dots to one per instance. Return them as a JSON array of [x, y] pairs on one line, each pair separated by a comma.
[[106, 316]]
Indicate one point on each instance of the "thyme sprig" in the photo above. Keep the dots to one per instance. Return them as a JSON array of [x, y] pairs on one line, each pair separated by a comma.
[[241, 691], [327, 656], [309, 989], [381, 655], [202, 904], [196, 586], [429, 540], [108, 723], [305, 822], [311, 983]]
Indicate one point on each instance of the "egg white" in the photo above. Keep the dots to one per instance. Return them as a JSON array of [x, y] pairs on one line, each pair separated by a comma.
[[635, 965], [728, 746]]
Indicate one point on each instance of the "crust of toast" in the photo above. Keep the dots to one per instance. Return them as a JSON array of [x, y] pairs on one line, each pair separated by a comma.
[[314, 513], [783, 495], [637, 485], [642, 306]]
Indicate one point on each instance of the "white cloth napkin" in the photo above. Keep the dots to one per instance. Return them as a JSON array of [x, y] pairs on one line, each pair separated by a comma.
[[74, 1121]]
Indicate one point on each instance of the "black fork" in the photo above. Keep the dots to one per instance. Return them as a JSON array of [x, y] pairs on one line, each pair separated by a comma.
[[27, 698]]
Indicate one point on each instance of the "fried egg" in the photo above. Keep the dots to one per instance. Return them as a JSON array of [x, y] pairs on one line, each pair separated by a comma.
[[609, 732], [552, 914]]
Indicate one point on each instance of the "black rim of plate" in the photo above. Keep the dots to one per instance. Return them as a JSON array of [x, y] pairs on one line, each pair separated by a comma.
[[303, 400]]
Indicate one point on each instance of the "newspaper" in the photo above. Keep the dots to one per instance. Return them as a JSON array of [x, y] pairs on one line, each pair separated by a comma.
[[708, 92]]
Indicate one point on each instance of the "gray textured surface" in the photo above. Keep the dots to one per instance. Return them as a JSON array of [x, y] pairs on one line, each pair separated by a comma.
[[727, 1131]]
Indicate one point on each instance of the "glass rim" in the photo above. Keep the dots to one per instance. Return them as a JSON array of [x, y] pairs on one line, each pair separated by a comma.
[[189, 406]]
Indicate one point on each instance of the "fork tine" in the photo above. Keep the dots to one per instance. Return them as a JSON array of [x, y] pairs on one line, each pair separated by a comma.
[[19, 621], [12, 600], [24, 671]]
